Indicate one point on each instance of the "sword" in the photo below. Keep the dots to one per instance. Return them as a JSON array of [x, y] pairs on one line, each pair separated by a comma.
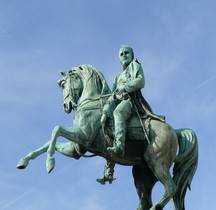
[[143, 126]]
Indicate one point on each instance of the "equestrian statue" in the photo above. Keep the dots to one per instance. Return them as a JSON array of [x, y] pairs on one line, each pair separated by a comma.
[[120, 126]]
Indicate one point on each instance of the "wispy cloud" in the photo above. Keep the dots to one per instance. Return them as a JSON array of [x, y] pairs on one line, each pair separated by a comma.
[[198, 87], [173, 38], [27, 193]]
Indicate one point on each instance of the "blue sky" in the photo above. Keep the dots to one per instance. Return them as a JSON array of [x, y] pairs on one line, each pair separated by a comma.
[[176, 43]]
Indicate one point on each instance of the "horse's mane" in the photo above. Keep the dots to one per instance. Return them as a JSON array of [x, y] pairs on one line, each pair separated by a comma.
[[97, 76]]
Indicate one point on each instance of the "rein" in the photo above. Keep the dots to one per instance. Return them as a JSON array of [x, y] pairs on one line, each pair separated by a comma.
[[82, 107], [71, 93], [86, 156]]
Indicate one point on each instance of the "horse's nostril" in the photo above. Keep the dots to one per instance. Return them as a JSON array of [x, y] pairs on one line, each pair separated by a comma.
[[65, 107]]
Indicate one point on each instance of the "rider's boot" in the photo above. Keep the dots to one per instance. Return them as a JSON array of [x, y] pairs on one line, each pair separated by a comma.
[[108, 173], [118, 148]]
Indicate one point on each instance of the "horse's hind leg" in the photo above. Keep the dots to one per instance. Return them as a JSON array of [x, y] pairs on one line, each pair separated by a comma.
[[23, 163], [161, 171], [144, 181], [170, 189], [160, 155]]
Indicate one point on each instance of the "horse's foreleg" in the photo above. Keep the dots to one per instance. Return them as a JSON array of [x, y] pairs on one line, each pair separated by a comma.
[[23, 163], [68, 149], [73, 134]]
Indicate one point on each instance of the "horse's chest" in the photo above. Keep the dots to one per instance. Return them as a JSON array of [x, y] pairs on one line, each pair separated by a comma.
[[87, 118]]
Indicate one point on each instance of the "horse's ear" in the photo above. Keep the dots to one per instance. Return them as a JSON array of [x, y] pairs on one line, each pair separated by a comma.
[[62, 73], [70, 71]]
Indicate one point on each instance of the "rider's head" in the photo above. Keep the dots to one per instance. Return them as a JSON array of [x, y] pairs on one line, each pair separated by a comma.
[[126, 55]]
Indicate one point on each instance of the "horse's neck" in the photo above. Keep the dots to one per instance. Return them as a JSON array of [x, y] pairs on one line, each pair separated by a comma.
[[88, 101], [96, 100], [88, 98], [94, 85], [89, 91]]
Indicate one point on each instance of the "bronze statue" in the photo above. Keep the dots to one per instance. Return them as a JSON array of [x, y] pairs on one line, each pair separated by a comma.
[[151, 146]]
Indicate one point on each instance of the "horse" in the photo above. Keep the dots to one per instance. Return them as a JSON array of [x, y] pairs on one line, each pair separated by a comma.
[[85, 91]]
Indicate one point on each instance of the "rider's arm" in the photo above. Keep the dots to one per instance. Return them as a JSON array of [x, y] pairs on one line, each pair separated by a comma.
[[137, 79]]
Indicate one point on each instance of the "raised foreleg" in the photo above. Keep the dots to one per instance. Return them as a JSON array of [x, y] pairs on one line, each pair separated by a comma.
[[23, 163], [68, 149], [73, 134]]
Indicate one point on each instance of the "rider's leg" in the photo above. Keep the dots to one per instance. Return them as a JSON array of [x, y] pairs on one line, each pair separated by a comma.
[[108, 173], [121, 114]]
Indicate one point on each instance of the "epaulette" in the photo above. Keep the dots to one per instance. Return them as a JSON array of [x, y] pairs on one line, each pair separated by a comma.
[[137, 61]]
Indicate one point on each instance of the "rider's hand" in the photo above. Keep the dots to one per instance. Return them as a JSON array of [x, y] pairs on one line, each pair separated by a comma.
[[121, 89], [103, 119]]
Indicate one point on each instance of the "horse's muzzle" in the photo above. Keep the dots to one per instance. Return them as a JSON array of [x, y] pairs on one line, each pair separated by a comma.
[[67, 107]]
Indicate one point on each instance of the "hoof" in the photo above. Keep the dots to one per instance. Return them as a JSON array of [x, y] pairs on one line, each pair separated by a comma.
[[22, 164], [50, 164]]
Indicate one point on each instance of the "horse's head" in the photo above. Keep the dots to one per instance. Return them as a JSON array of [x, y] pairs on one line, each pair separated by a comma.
[[72, 87]]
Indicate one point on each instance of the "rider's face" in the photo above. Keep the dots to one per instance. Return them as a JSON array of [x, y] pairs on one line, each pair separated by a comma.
[[125, 56]]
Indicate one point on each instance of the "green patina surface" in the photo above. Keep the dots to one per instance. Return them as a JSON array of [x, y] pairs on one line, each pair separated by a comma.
[[120, 126]]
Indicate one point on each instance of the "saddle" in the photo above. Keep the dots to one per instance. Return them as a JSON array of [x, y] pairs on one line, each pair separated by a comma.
[[134, 130]]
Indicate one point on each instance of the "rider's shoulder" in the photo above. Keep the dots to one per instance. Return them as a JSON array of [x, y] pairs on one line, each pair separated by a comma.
[[137, 61], [135, 64]]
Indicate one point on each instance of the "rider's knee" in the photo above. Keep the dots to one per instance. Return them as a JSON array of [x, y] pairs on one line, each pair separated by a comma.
[[118, 112]]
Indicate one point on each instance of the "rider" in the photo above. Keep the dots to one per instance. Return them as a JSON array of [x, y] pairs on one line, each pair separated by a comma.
[[125, 87], [126, 91]]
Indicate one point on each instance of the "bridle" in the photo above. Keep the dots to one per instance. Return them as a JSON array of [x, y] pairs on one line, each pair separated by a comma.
[[71, 91]]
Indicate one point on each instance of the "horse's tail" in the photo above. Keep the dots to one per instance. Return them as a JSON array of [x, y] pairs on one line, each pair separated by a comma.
[[185, 165]]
